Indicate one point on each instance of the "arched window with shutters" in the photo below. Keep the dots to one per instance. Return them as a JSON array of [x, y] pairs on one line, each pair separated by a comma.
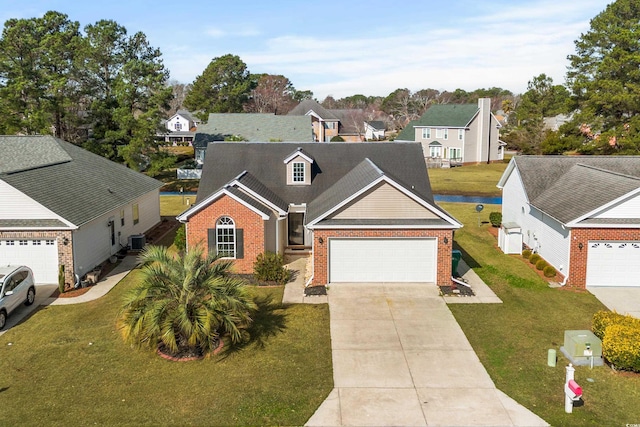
[[226, 237]]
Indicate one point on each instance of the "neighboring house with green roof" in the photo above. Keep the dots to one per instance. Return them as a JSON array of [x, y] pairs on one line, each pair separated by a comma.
[[62, 205], [457, 134], [251, 127]]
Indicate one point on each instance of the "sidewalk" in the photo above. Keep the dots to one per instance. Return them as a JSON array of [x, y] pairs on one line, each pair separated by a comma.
[[102, 287]]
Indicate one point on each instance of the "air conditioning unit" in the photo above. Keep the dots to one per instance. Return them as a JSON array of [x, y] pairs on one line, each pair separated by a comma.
[[137, 242]]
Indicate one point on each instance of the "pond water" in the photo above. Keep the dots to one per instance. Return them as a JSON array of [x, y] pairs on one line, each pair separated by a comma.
[[468, 199]]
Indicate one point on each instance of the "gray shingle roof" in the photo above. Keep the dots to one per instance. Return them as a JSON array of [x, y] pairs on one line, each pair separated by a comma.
[[80, 189], [22, 153], [309, 104], [568, 187], [249, 200], [364, 174], [376, 124], [252, 183], [32, 223], [254, 128], [408, 133], [332, 161]]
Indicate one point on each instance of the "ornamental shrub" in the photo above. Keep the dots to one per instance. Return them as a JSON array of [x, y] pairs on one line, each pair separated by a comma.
[[61, 278], [269, 267], [526, 253], [180, 239], [549, 271], [534, 258], [337, 138], [604, 318], [541, 264], [495, 218], [621, 346]]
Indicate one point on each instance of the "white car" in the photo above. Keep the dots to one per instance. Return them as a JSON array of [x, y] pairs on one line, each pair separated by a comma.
[[16, 287]]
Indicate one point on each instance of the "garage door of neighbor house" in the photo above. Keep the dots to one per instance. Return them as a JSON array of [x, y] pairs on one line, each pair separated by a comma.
[[612, 263], [39, 255], [382, 260]]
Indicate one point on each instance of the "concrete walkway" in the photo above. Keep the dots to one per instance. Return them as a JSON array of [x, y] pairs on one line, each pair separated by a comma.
[[400, 359], [622, 299], [103, 286]]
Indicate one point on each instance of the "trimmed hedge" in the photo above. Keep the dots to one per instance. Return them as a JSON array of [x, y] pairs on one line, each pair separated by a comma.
[[495, 218], [621, 346], [541, 264], [269, 266], [549, 271], [526, 253], [534, 258]]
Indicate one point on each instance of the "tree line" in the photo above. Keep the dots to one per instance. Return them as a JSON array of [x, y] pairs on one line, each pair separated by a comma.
[[108, 91]]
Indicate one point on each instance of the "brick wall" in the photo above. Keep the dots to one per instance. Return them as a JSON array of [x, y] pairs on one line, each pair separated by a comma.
[[321, 259], [578, 260], [65, 252], [244, 218]]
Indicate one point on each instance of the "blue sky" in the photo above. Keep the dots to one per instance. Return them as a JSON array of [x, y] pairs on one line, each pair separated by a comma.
[[343, 48]]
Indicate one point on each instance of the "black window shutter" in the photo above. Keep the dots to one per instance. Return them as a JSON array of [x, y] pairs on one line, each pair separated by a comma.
[[239, 243], [211, 241]]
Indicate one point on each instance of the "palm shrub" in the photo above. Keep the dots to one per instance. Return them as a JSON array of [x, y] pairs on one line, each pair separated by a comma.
[[184, 304]]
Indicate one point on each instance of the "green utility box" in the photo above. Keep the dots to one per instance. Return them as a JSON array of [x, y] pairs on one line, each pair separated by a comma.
[[456, 256], [582, 348]]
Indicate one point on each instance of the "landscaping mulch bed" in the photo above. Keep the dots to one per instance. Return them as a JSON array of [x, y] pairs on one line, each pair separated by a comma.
[[315, 291], [457, 291]]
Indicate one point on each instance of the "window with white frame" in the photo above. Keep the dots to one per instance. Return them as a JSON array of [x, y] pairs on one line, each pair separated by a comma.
[[455, 153], [178, 126], [442, 133], [226, 237], [426, 133], [435, 150], [460, 134], [298, 172]]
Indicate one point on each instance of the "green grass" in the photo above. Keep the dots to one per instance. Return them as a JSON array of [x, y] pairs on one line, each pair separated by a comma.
[[476, 180], [512, 339], [67, 365], [175, 205]]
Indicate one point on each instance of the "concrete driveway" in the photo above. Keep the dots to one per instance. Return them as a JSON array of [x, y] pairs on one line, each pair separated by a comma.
[[43, 292], [400, 359], [622, 299]]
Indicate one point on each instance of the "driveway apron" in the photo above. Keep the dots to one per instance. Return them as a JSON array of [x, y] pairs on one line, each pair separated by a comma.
[[401, 359]]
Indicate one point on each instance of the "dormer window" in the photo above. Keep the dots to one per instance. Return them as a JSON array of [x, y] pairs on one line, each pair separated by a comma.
[[298, 165], [298, 172]]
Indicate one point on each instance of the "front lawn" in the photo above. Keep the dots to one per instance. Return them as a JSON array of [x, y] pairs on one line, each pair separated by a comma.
[[512, 339], [67, 365]]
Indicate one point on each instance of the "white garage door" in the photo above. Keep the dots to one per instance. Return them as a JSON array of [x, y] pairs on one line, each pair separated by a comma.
[[613, 263], [39, 255], [382, 260]]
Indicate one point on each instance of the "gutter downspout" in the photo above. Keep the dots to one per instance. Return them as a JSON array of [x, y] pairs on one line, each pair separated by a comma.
[[460, 282]]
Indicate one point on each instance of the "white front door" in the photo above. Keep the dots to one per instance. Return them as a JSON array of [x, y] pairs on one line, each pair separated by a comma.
[[382, 260], [613, 263], [40, 255]]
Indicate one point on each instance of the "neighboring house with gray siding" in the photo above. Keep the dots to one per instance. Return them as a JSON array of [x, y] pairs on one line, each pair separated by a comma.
[[62, 205], [580, 213], [457, 134]]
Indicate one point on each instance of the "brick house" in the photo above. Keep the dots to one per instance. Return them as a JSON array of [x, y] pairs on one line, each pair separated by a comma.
[[364, 212], [453, 134], [580, 213], [62, 205]]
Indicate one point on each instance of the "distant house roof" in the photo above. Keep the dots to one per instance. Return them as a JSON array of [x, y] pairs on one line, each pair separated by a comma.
[[254, 127], [448, 115], [72, 182], [569, 187], [187, 115], [408, 133], [308, 105], [376, 124]]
